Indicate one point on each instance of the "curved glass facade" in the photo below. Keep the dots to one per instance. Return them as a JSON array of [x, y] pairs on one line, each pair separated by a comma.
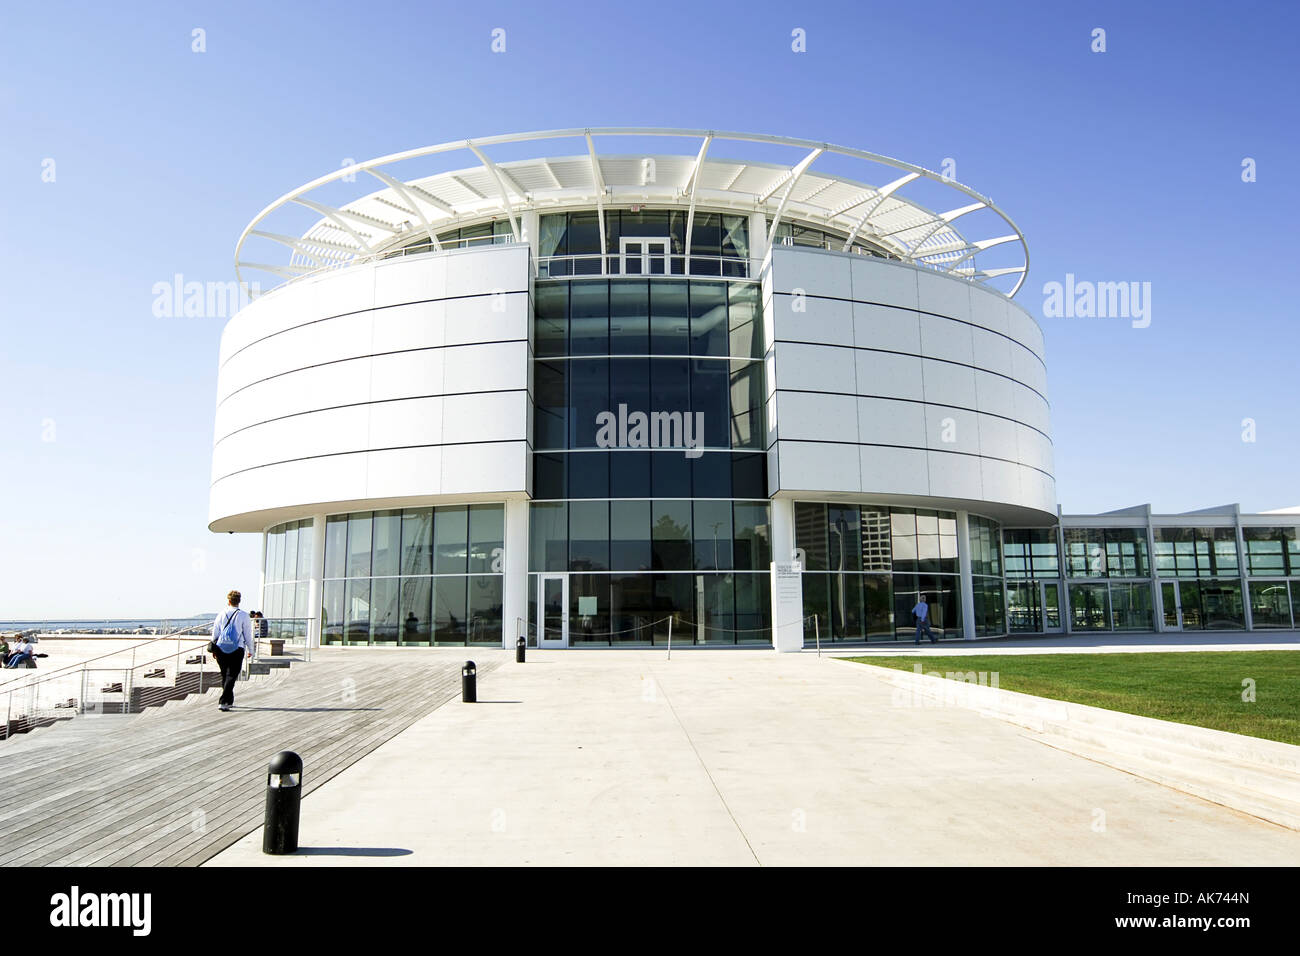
[[865, 567], [418, 577], [287, 565]]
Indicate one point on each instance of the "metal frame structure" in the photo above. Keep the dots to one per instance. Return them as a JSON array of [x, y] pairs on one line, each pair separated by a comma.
[[404, 211]]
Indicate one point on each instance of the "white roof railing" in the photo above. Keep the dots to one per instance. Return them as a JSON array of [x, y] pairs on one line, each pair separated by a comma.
[[409, 209]]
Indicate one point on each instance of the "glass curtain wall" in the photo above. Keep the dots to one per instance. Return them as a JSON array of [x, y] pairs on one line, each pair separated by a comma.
[[1109, 579], [416, 577], [634, 565], [569, 243], [287, 565], [1273, 557], [865, 567], [649, 469], [1207, 567]]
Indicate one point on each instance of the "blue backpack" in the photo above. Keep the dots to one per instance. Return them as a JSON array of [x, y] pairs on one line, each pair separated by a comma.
[[228, 637]]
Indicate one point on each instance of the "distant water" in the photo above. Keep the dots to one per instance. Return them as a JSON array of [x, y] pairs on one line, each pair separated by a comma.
[[123, 625]]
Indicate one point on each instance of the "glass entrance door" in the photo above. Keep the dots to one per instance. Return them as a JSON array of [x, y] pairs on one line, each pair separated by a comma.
[[1024, 607], [1172, 609], [553, 605], [1051, 607], [642, 256]]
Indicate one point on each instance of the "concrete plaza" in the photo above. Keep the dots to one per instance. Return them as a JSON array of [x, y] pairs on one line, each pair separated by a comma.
[[745, 757]]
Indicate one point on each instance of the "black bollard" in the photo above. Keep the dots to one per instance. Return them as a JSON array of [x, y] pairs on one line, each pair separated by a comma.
[[520, 645], [469, 683], [283, 801]]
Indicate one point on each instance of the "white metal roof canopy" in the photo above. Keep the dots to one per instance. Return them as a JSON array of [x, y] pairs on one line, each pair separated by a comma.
[[406, 208]]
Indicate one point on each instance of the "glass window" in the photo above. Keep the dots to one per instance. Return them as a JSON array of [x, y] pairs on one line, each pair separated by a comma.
[[712, 520], [751, 550], [487, 538], [416, 611], [417, 542], [549, 536], [629, 532], [449, 612], [669, 318], [589, 536], [336, 546], [589, 397], [629, 318], [709, 324], [844, 541], [359, 545], [810, 534], [551, 405], [357, 611], [333, 601], [306, 538], [670, 535], [1089, 607], [384, 627], [875, 533], [629, 474], [289, 565], [630, 385], [670, 474], [386, 539], [1131, 608], [1269, 606], [710, 388], [550, 318], [743, 320], [450, 541], [589, 318], [485, 603]]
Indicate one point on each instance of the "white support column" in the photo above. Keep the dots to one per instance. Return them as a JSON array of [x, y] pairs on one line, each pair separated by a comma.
[[528, 225], [757, 241], [1243, 568], [316, 587], [514, 605], [967, 579], [1157, 595], [1063, 569], [261, 575], [787, 590]]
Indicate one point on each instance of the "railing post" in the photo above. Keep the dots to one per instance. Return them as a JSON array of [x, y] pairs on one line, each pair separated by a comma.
[[670, 636], [817, 631]]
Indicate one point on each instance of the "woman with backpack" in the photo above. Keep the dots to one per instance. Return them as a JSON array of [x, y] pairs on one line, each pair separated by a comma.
[[232, 636]]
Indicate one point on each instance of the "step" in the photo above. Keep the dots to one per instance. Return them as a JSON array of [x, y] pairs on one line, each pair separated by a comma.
[[1176, 759], [1265, 806]]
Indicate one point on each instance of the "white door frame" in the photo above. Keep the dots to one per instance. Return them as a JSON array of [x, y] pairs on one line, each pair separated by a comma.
[[1060, 606], [1178, 604], [542, 639], [643, 253]]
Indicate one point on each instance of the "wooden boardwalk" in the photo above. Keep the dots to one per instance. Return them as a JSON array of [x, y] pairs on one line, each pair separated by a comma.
[[176, 785]]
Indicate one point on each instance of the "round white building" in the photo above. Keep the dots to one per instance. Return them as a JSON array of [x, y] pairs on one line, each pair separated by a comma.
[[590, 395]]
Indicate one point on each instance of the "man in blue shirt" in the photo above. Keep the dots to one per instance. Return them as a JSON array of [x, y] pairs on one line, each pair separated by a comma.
[[231, 658], [922, 614]]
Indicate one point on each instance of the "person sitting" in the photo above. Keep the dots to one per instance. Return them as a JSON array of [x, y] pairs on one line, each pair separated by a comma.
[[4, 650], [22, 654]]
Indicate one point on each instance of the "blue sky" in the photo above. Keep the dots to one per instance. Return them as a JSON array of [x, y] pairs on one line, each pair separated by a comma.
[[1118, 166]]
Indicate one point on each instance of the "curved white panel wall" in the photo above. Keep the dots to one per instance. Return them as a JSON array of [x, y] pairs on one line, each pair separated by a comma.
[[889, 380], [402, 379]]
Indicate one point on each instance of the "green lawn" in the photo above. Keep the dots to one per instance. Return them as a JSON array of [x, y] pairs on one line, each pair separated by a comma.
[[1191, 687]]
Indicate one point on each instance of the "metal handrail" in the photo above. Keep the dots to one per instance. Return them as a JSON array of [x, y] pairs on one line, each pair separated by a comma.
[[611, 264], [58, 672]]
